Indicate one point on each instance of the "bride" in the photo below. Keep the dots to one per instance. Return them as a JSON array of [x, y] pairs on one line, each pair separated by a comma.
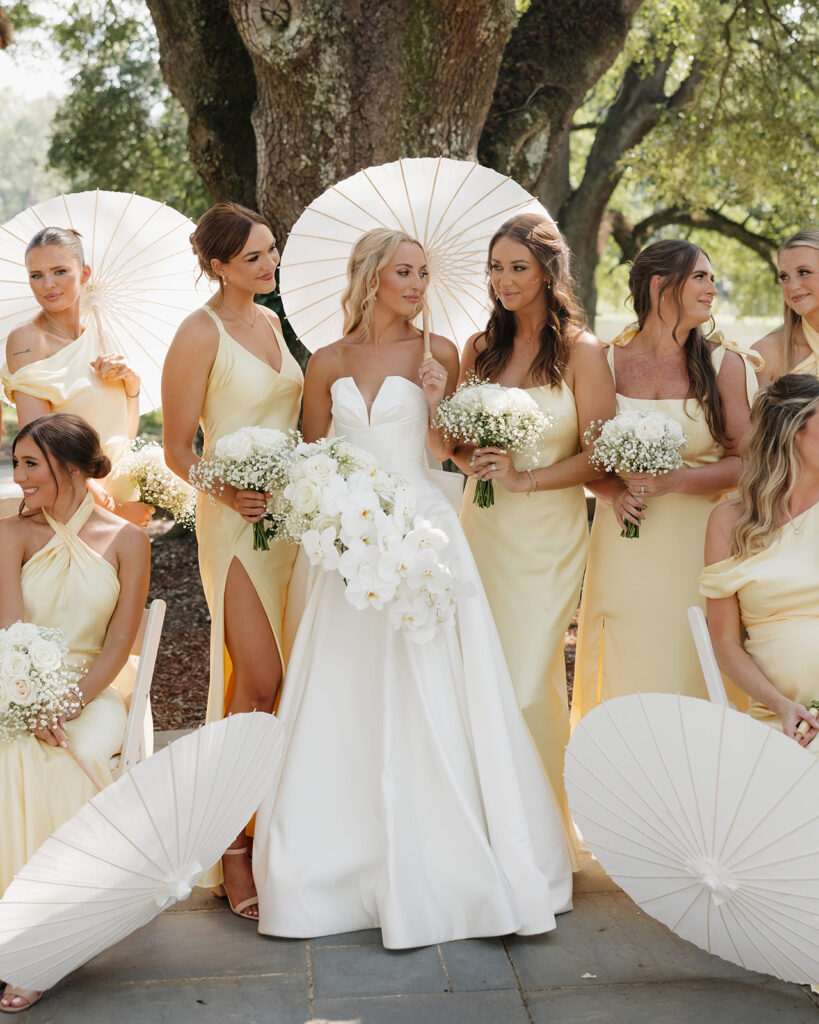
[[411, 796]]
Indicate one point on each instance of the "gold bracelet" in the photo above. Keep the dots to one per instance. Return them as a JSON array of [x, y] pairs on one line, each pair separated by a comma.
[[532, 481]]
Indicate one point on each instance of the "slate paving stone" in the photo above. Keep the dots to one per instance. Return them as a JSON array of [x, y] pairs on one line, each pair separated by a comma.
[[368, 937], [373, 971], [478, 964], [451, 1008]]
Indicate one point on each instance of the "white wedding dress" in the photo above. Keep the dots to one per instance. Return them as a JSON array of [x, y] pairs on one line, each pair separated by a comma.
[[411, 797]]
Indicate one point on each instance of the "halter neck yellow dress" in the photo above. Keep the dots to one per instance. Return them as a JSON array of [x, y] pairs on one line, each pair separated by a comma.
[[810, 364], [531, 552], [633, 634], [66, 380], [242, 391], [69, 586], [778, 593]]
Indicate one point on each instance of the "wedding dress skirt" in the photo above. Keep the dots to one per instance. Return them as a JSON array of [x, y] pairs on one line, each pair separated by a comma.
[[411, 796]]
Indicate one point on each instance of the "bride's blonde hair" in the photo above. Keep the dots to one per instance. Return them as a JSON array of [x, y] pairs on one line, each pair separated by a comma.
[[809, 238], [371, 253], [770, 460]]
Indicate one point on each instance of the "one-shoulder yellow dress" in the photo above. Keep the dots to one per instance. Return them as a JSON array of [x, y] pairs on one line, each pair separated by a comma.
[[633, 633], [242, 391], [810, 364], [531, 553], [69, 586], [66, 380], [778, 593]]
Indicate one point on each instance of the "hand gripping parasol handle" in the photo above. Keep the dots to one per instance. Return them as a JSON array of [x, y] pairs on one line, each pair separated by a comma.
[[425, 326], [69, 747]]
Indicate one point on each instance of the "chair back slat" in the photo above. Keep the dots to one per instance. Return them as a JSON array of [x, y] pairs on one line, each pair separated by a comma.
[[705, 652], [138, 741]]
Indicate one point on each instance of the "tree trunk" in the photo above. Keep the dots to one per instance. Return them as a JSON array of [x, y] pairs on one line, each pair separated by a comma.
[[208, 70], [340, 89]]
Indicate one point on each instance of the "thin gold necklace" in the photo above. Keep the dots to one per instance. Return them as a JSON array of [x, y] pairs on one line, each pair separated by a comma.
[[250, 324], [55, 327]]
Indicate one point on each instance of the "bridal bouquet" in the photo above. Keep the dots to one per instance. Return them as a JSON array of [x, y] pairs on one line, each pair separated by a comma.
[[352, 517], [36, 684], [250, 459], [486, 414], [635, 441], [145, 467]]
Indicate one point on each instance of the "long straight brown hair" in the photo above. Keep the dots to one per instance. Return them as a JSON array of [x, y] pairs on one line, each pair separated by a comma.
[[673, 260], [564, 320]]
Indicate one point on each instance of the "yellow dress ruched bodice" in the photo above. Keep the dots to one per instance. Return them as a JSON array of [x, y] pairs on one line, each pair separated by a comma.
[[531, 552], [69, 586], [242, 391], [633, 634], [778, 593], [66, 380]]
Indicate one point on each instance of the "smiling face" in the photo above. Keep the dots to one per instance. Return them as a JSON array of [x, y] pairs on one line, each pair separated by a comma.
[[253, 268], [799, 280], [696, 296], [515, 275], [403, 281], [55, 277], [41, 480]]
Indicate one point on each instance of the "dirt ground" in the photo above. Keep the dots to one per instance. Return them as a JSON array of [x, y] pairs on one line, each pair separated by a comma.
[[180, 687]]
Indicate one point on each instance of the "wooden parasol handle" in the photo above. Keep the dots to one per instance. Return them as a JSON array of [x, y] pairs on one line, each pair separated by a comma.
[[70, 748], [425, 327]]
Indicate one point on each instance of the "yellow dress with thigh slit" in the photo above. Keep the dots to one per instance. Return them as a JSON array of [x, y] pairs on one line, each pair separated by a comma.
[[633, 633], [531, 551], [778, 593], [66, 585]]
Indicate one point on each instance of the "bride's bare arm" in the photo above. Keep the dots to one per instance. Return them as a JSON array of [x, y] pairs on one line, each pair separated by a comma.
[[317, 412]]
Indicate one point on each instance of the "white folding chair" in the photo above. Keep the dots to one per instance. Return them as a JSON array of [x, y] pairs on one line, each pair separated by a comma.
[[705, 652], [139, 734]]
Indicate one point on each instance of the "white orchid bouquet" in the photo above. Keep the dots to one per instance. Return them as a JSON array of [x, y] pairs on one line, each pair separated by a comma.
[[249, 459], [37, 685], [637, 441], [352, 517], [487, 414], [145, 467]]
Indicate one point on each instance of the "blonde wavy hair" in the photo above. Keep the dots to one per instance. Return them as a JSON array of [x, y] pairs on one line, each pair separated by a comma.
[[770, 460], [809, 238], [371, 253]]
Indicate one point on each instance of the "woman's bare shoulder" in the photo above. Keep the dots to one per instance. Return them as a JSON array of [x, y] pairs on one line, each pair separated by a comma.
[[25, 344]]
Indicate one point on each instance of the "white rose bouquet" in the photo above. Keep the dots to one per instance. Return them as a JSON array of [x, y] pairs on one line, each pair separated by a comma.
[[250, 459], [484, 414], [36, 684], [145, 467], [352, 517], [636, 441]]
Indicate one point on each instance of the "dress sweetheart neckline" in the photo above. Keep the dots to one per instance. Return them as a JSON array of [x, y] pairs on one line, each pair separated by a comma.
[[390, 376]]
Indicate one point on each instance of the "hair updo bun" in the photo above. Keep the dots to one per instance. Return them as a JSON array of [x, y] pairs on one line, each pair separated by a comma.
[[220, 234], [67, 238], [70, 441]]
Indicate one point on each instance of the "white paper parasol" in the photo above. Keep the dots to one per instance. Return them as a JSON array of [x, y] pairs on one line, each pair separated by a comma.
[[136, 848], [143, 274], [709, 821], [451, 206]]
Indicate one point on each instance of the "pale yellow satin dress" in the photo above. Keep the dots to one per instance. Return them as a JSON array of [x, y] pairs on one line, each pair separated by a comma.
[[531, 553], [778, 593], [69, 586], [66, 380], [242, 391], [633, 634]]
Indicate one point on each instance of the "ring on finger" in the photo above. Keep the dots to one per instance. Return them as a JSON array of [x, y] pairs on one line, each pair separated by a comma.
[[492, 466]]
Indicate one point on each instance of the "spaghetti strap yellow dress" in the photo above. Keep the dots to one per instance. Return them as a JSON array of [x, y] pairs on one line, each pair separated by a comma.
[[66, 380], [531, 552], [778, 593], [633, 634], [66, 585], [242, 391]]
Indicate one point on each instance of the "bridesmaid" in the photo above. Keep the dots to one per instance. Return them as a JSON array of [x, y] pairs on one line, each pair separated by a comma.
[[53, 363], [531, 545], [66, 563], [794, 347], [762, 550], [633, 633], [228, 367]]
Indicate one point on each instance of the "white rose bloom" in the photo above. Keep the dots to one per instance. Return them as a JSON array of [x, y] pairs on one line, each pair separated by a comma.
[[675, 431], [493, 400], [320, 468], [266, 437], [15, 665], [237, 445], [305, 496], [22, 633], [5, 696], [649, 430], [22, 690], [45, 655]]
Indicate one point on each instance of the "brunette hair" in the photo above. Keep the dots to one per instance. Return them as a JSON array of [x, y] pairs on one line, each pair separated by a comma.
[[70, 441], [371, 253], [809, 238], [770, 460], [673, 260], [68, 238], [564, 319], [220, 234]]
